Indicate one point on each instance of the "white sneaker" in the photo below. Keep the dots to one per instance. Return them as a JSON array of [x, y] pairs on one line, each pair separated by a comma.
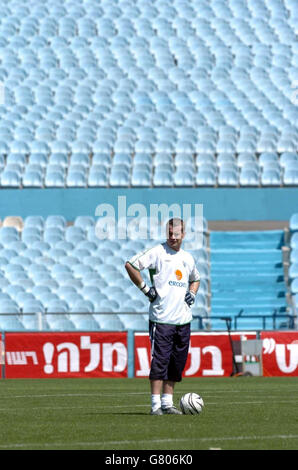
[[171, 410], [157, 412]]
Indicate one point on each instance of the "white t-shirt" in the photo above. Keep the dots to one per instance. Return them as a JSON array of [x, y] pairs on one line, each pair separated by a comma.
[[171, 272]]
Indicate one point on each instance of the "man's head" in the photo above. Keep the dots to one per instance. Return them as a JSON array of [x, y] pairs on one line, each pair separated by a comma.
[[175, 233]]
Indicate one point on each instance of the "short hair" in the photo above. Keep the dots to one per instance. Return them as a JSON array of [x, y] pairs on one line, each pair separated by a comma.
[[175, 222]]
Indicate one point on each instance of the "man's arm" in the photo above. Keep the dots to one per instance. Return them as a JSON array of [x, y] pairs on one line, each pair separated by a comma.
[[134, 274], [194, 286], [190, 296], [136, 278]]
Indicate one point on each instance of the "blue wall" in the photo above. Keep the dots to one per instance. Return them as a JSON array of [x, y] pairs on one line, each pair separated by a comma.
[[218, 204]]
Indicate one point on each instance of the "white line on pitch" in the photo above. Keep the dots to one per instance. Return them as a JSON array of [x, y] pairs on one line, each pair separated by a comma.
[[150, 441], [104, 407]]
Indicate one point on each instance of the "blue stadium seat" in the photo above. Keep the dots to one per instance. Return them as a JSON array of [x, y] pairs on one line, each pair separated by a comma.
[[134, 322], [141, 178], [84, 322], [59, 323], [249, 177], [293, 271], [10, 323], [294, 241], [228, 177], [184, 178], [287, 157], [271, 178], [57, 306], [293, 222], [119, 178], [290, 177], [10, 179], [294, 286], [206, 177], [98, 177], [32, 179], [9, 307], [109, 321], [54, 225], [76, 179]]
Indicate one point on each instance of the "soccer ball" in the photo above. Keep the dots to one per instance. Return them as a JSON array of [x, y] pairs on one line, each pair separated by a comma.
[[191, 404]]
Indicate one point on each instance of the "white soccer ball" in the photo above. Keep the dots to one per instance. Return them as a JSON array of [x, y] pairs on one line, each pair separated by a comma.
[[191, 404]]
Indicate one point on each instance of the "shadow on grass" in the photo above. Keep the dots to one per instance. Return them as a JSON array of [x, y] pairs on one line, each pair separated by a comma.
[[122, 413]]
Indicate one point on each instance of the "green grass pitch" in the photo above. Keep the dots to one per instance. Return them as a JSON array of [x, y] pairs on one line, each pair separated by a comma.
[[104, 414]]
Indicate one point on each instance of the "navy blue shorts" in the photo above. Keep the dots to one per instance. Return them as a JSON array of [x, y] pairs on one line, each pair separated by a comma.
[[169, 350]]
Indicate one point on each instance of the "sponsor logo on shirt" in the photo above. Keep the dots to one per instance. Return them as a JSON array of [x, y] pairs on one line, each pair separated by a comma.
[[178, 284], [179, 276]]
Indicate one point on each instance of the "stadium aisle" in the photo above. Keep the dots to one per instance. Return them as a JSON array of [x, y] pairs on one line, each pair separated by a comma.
[[247, 276]]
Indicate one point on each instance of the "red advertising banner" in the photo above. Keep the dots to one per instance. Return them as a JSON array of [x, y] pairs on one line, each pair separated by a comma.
[[210, 354], [55, 355], [105, 354], [280, 353]]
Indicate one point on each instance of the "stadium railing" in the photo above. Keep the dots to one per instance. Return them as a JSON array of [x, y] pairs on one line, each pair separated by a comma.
[[289, 321], [87, 321]]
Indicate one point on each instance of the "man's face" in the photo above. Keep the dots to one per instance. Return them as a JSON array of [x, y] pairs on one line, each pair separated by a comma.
[[175, 237]]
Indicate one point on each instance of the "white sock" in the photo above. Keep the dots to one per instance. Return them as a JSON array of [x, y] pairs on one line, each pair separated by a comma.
[[155, 402], [166, 400]]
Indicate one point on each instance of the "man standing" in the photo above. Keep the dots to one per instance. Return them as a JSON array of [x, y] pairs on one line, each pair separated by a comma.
[[175, 282]]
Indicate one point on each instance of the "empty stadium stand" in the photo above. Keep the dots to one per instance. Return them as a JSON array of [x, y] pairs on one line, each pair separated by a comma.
[[60, 276], [120, 93]]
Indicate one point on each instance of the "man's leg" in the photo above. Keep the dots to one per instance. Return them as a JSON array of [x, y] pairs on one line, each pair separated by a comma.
[[179, 353], [166, 387], [170, 346], [156, 388], [161, 349], [167, 394], [176, 366]]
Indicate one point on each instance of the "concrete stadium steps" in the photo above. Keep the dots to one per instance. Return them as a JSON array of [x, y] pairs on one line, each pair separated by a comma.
[[250, 240], [247, 273]]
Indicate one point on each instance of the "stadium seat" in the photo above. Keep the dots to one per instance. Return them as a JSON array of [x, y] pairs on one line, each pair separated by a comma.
[[84, 322], [141, 178], [32, 179], [249, 177], [134, 322], [119, 178], [59, 323], [293, 222], [271, 178], [9, 307], [294, 286], [76, 179], [10, 179], [290, 177], [109, 321], [10, 323], [227, 177], [293, 271], [183, 178], [206, 177]]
